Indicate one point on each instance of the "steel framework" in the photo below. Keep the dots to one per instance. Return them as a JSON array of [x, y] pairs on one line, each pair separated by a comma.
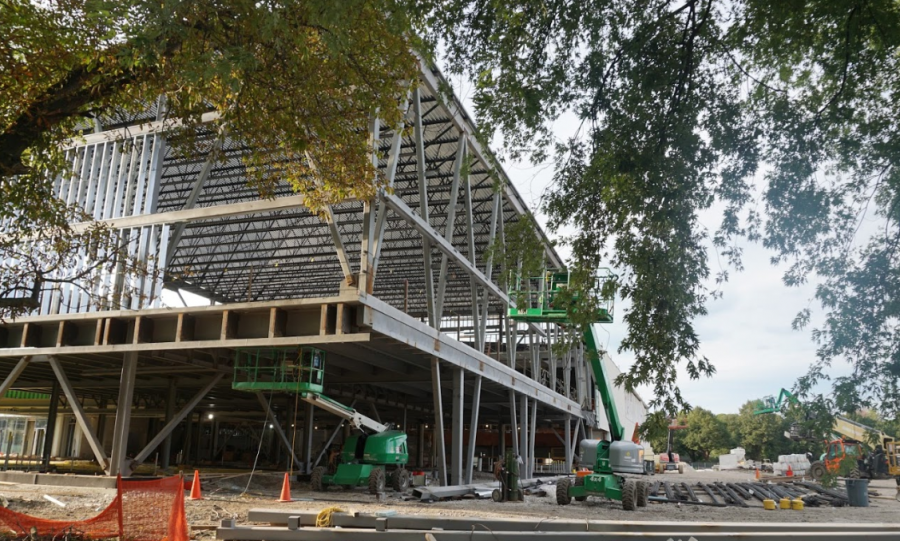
[[401, 291]]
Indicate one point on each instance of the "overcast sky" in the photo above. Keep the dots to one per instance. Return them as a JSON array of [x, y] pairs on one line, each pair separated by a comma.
[[747, 334]]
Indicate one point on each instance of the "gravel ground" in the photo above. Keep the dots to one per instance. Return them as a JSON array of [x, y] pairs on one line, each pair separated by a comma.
[[223, 498]]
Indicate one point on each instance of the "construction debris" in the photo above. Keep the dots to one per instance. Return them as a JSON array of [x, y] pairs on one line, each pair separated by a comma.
[[720, 494]]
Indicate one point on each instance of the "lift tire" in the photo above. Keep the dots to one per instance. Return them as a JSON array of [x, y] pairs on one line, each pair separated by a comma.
[[681, 468], [400, 480], [562, 491], [643, 493], [579, 482], [629, 495], [376, 481], [317, 479], [817, 470], [496, 495]]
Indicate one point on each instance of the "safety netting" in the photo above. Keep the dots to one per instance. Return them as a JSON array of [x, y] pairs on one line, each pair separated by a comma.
[[143, 510]]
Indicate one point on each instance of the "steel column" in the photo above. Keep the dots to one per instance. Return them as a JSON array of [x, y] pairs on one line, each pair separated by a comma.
[[171, 397], [277, 426], [532, 436], [78, 411], [123, 415], [470, 237], [456, 436], [523, 432], [513, 422], [438, 444], [46, 451], [309, 426], [473, 428], [175, 420], [567, 442]]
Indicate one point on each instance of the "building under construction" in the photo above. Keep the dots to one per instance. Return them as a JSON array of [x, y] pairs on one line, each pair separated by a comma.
[[403, 294]]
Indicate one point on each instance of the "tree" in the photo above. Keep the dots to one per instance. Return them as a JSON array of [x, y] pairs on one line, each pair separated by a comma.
[[704, 434], [681, 104], [68, 65]]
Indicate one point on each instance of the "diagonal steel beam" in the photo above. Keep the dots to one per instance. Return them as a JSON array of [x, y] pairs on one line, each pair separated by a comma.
[[175, 421], [277, 426], [14, 375], [451, 219], [421, 164], [78, 411], [196, 190]]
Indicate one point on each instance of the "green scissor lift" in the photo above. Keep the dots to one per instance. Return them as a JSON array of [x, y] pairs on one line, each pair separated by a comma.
[[544, 299], [365, 457]]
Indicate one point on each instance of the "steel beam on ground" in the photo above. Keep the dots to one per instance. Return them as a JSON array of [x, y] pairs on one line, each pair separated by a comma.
[[276, 426], [14, 375], [282, 517], [393, 323], [473, 429], [456, 428], [78, 411], [438, 444], [176, 419]]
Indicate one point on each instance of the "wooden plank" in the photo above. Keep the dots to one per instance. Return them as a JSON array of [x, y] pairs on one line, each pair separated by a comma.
[[184, 328]]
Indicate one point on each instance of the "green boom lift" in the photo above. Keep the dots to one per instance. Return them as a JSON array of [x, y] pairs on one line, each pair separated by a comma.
[[365, 458], [547, 299]]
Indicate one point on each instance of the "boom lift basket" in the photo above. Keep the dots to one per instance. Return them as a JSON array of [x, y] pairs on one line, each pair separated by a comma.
[[279, 369], [547, 298]]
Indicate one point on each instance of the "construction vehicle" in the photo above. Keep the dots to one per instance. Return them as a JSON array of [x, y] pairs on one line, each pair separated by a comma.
[[770, 404], [548, 299], [848, 439], [366, 457]]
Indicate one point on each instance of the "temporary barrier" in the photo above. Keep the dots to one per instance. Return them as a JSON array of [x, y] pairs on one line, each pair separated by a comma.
[[143, 510]]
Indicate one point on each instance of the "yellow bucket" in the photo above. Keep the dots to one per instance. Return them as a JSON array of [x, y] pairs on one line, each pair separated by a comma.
[[769, 505], [797, 504], [784, 503]]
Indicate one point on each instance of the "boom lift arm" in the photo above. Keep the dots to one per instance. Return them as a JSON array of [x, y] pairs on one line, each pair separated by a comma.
[[356, 419]]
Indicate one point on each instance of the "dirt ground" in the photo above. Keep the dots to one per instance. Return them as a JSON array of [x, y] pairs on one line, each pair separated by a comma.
[[227, 496]]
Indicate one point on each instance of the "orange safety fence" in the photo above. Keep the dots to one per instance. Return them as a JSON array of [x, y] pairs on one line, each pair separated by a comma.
[[143, 510]]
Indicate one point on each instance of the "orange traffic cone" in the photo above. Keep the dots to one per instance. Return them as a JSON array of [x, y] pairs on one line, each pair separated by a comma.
[[790, 472], [195, 486], [285, 489], [757, 473]]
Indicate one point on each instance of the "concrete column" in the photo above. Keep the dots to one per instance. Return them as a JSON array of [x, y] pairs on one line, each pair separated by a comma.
[[171, 397], [123, 414]]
